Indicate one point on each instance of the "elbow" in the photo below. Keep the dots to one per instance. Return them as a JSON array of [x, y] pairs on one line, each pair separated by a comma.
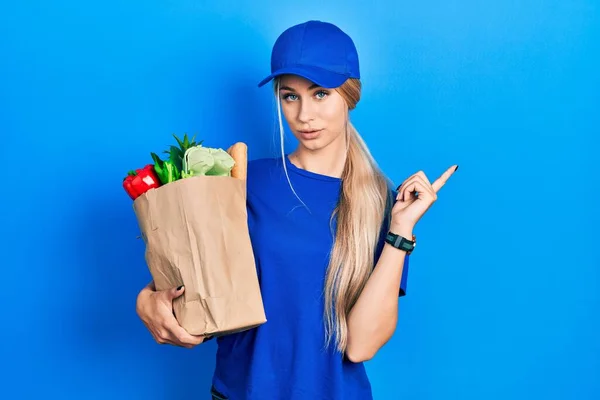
[[361, 349], [359, 354], [365, 340]]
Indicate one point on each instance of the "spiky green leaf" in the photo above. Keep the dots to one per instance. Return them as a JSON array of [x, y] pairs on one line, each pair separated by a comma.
[[179, 142]]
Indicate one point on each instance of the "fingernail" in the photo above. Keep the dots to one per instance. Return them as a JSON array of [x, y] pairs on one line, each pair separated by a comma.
[[179, 288], [456, 169]]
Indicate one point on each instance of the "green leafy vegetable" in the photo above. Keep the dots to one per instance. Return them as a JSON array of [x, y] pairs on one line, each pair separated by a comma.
[[200, 160], [176, 153], [166, 171]]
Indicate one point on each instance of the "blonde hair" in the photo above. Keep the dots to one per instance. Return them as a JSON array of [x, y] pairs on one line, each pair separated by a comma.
[[360, 212]]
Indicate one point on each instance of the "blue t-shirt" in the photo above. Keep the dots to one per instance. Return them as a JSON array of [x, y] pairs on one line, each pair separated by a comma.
[[285, 358]]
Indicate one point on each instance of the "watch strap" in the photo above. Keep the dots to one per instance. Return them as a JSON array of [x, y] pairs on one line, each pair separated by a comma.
[[400, 242]]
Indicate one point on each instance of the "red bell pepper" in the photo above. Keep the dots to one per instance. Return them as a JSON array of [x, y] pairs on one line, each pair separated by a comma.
[[140, 181]]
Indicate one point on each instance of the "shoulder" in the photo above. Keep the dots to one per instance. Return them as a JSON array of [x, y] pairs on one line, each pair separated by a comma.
[[262, 172], [259, 168], [261, 164]]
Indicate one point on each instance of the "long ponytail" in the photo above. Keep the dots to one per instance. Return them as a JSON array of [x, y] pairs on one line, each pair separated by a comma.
[[359, 215]]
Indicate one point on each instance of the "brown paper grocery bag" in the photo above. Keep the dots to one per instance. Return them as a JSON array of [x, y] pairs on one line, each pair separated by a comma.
[[196, 234]]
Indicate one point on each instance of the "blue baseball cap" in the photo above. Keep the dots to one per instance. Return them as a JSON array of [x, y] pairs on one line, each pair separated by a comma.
[[315, 50]]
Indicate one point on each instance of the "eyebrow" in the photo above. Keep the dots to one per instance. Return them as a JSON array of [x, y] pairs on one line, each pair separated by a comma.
[[314, 86]]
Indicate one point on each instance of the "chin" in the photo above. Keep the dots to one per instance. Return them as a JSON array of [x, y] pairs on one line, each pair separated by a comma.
[[312, 145]]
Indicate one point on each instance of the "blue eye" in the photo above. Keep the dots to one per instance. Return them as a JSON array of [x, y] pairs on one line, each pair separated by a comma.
[[289, 96], [321, 94]]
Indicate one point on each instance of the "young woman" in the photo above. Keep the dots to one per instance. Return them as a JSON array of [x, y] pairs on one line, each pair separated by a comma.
[[331, 238]]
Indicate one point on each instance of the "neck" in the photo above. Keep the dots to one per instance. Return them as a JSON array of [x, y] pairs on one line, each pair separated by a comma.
[[329, 161]]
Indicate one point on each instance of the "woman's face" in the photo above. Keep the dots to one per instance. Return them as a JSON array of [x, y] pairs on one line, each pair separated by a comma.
[[316, 116]]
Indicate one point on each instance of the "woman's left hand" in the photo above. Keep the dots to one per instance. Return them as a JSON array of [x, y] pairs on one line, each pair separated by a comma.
[[415, 197]]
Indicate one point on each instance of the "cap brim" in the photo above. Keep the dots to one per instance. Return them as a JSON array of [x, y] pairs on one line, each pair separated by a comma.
[[321, 77]]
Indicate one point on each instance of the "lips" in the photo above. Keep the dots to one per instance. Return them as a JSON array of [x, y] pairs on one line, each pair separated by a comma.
[[310, 134]]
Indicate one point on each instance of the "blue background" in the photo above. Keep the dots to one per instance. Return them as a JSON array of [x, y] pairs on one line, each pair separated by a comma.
[[503, 295]]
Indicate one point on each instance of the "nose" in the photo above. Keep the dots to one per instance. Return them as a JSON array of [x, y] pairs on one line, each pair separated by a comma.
[[306, 111]]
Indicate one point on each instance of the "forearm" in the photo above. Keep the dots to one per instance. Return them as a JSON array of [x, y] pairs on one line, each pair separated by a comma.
[[372, 320]]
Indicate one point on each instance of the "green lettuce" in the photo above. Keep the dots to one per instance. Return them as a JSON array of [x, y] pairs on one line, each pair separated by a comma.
[[199, 160]]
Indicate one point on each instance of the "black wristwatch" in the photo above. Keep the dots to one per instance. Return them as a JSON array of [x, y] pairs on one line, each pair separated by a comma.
[[401, 242]]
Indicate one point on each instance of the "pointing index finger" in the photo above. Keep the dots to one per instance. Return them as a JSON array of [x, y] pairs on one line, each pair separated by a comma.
[[441, 181]]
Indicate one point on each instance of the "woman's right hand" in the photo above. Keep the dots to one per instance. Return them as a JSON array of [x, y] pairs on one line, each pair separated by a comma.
[[155, 309]]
